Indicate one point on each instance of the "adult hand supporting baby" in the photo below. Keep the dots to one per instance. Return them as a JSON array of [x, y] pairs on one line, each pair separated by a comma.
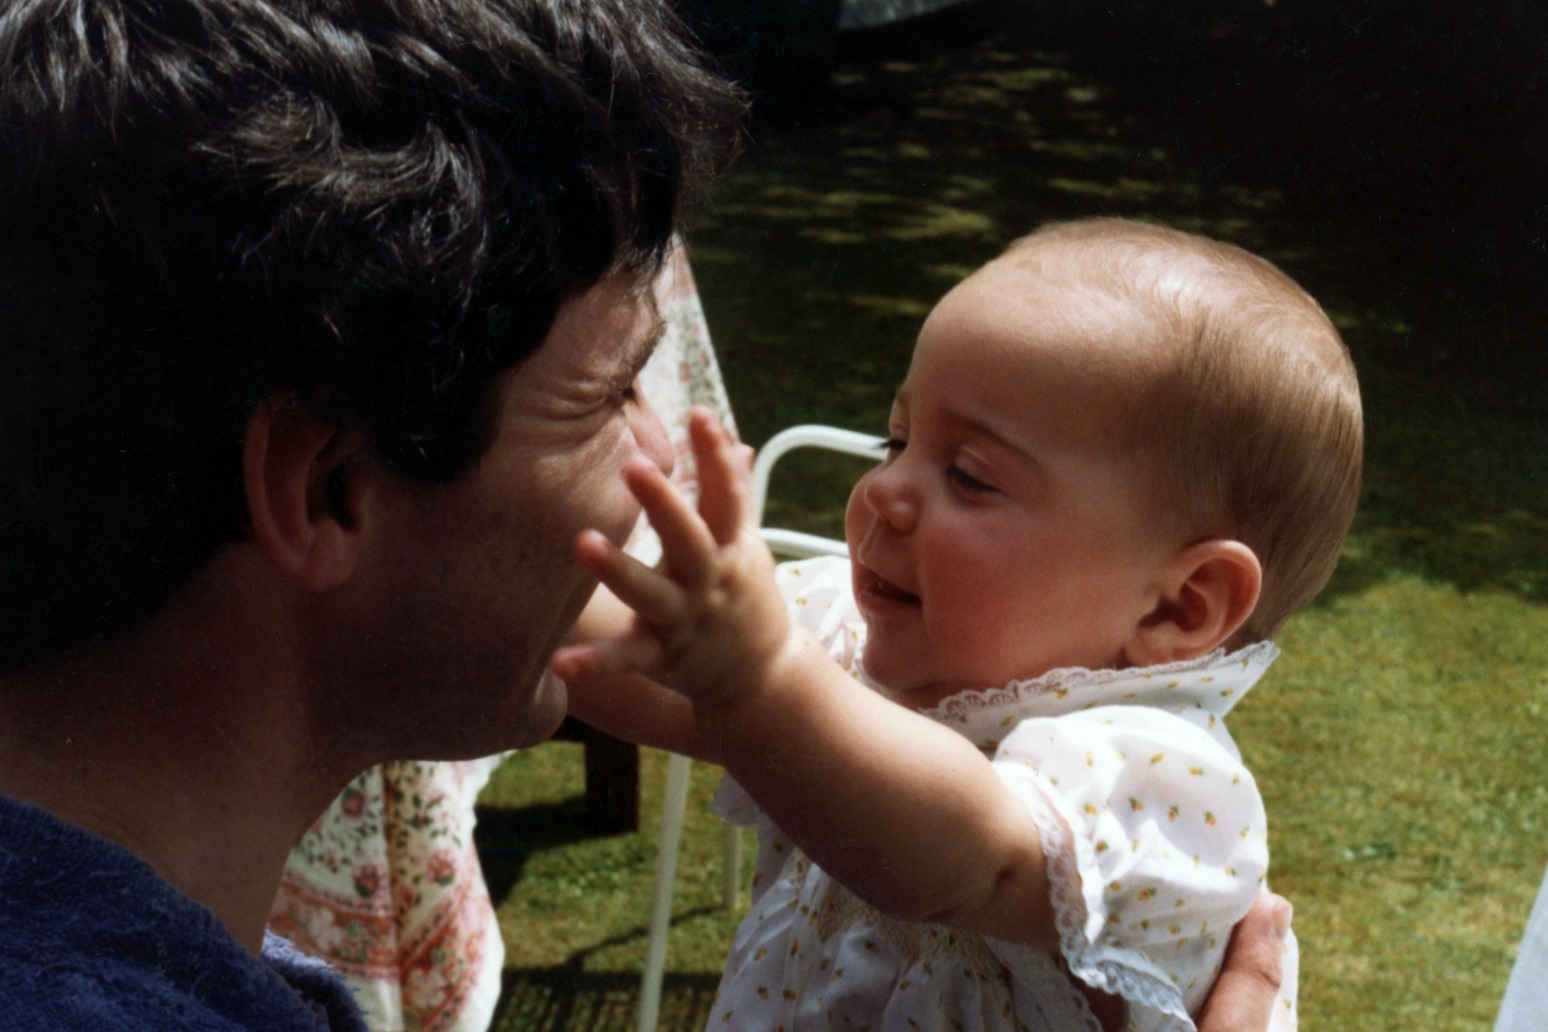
[[1248, 986]]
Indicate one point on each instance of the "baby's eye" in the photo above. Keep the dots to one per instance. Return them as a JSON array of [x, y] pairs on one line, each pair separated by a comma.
[[892, 445], [967, 483]]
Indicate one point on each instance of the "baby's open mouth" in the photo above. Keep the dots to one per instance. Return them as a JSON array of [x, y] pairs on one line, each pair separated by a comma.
[[881, 588]]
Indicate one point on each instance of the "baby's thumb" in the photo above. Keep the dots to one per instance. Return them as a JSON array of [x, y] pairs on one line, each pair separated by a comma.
[[629, 654]]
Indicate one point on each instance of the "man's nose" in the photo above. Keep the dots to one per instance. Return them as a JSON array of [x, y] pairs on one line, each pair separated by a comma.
[[651, 434]]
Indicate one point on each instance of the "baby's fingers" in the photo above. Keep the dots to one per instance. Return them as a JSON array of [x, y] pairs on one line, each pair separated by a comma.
[[631, 654], [646, 591], [725, 475], [687, 545]]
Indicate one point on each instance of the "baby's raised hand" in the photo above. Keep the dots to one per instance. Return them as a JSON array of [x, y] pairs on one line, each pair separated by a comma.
[[710, 620]]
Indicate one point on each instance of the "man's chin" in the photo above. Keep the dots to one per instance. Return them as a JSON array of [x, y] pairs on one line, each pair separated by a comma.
[[518, 722], [550, 699]]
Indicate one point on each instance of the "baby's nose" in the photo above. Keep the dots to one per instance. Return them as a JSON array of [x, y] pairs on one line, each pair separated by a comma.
[[888, 494]]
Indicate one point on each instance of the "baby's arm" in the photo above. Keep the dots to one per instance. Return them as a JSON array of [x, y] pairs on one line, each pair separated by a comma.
[[906, 813]]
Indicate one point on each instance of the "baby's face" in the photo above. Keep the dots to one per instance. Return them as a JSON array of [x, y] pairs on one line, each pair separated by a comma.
[[1008, 532]]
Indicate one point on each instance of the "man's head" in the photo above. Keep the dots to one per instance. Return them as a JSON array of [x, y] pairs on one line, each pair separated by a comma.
[[372, 209], [1117, 445]]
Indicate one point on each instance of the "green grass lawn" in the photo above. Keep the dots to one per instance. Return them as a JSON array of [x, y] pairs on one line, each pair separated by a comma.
[[1401, 739]]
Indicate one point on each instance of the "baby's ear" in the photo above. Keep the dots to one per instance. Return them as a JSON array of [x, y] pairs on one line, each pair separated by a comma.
[[1208, 591]]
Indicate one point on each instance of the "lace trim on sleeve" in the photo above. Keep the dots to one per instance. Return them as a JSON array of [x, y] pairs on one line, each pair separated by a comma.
[[1117, 971]]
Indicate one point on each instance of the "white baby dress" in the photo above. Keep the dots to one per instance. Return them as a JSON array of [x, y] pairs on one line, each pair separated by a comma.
[[1155, 834]]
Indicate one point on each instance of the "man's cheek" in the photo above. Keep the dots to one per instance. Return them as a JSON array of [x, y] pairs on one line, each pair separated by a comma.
[[617, 513]]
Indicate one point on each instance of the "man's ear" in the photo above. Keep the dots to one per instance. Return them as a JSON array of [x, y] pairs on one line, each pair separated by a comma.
[[1209, 590], [304, 491]]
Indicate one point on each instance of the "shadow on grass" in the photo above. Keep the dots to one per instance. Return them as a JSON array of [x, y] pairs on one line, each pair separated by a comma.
[[507, 837], [569, 998], [1506, 553], [555, 999]]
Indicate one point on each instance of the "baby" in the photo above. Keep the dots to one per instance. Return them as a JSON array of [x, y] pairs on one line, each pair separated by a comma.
[[986, 756]]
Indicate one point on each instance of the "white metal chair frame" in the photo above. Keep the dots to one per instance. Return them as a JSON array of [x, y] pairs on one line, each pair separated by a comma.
[[791, 543]]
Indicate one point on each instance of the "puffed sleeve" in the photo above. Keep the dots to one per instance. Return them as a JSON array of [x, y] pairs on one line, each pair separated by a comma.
[[1155, 836]]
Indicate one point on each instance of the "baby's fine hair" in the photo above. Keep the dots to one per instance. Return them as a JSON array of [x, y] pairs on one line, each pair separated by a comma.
[[1254, 422]]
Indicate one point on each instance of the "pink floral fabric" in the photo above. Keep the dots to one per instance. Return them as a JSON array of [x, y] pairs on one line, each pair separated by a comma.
[[386, 885]]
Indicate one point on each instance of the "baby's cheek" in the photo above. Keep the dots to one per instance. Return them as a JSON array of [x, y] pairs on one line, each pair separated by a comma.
[[981, 642]]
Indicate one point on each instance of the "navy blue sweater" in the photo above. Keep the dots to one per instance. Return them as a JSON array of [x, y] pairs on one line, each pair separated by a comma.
[[91, 939]]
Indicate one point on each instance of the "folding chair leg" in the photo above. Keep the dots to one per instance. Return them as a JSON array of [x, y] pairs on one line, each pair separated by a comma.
[[731, 871], [673, 807]]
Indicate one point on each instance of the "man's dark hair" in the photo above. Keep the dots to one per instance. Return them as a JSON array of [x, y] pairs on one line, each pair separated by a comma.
[[379, 204]]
